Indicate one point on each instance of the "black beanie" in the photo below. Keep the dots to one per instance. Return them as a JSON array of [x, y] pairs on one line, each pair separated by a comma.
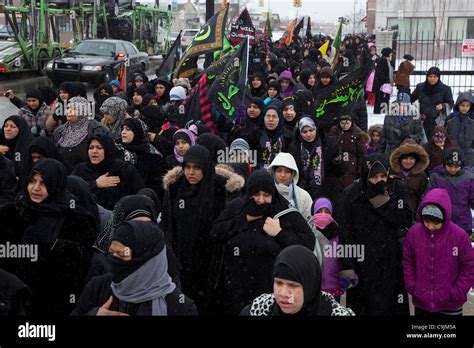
[[260, 180], [36, 94], [274, 84], [453, 156], [434, 71], [386, 51], [147, 98], [141, 91], [198, 155], [258, 102]]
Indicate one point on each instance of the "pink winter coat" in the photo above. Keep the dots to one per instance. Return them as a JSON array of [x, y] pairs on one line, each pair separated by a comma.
[[438, 266]]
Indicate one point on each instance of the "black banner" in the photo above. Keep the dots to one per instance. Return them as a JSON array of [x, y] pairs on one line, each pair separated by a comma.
[[242, 28]]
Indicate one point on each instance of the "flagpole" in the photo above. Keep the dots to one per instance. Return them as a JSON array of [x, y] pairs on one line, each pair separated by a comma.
[[246, 69]]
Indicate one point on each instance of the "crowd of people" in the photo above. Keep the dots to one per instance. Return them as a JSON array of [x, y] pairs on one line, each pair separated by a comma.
[[134, 212]]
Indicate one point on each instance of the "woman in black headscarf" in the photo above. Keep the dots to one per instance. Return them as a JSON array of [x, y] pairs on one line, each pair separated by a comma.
[[64, 236], [15, 138], [101, 94], [135, 148], [250, 129], [35, 112], [297, 291], [275, 136], [108, 177], [247, 225], [257, 85], [71, 138], [41, 148], [138, 282], [194, 198], [308, 79]]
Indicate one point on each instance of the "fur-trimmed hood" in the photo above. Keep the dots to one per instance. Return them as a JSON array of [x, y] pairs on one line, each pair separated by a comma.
[[408, 148], [375, 128], [233, 182]]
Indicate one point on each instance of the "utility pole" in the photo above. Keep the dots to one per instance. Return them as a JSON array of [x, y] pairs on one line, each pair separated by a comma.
[[209, 14]]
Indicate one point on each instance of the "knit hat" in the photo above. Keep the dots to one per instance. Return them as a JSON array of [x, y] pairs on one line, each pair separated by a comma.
[[258, 102], [408, 57], [260, 180], [139, 78], [240, 144], [198, 155], [274, 84], [35, 94], [306, 122], [147, 98], [326, 72], [346, 117], [454, 157], [403, 98], [273, 76], [434, 71], [142, 91], [433, 213], [177, 93], [116, 83], [386, 51]]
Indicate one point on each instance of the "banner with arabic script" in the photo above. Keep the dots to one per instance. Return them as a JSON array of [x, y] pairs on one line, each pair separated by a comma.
[[340, 97], [227, 91], [209, 39]]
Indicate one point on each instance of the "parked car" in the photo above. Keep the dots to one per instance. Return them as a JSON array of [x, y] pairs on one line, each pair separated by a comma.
[[187, 36], [96, 61]]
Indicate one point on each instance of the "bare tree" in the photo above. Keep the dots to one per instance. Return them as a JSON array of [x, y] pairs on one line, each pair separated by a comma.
[[439, 25]]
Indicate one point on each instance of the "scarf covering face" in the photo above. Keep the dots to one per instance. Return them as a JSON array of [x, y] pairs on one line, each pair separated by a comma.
[[145, 277], [126, 208], [74, 133], [301, 265]]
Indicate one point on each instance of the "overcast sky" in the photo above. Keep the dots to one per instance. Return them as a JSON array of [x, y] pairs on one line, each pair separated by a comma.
[[327, 10]]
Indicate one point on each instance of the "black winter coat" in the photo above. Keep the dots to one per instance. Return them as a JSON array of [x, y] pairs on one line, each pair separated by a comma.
[[98, 291], [333, 169], [379, 268], [441, 94], [186, 221], [249, 252]]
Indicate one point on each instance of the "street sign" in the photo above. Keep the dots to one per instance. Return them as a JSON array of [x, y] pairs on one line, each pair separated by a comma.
[[468, 48]]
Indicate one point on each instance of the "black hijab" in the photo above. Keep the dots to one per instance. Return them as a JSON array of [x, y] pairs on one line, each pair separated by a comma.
[[45, 218], [127, 208], [45, 147], [140, 143], [110, 153], [213, 143], [145, 240], [153, 117], [298, 263], [430, 89], [84, 199], [19, 145]]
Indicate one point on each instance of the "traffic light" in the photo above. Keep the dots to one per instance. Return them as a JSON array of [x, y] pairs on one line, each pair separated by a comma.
[[297, 3]]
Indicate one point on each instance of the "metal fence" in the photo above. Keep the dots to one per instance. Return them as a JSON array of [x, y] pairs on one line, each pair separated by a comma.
[[446, 54]]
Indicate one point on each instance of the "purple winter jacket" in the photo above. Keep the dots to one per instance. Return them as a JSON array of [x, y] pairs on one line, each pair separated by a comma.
[[461, 191], [438, 266]]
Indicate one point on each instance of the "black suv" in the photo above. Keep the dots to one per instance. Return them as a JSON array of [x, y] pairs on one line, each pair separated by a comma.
[[96, 61]]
